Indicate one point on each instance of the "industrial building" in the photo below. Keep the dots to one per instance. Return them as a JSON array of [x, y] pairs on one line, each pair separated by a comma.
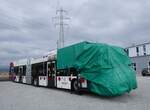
[[140, 56]]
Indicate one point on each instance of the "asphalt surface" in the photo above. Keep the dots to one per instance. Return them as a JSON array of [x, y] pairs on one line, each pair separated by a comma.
[[14, 96]]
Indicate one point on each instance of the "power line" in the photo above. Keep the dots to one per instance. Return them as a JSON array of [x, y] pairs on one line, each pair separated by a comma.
[[60, 20]]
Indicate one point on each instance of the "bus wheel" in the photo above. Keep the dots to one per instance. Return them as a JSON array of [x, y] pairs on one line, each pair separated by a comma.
[[75, 86]]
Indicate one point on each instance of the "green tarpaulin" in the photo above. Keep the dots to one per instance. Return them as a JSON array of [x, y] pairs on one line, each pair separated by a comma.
[[106, 67]]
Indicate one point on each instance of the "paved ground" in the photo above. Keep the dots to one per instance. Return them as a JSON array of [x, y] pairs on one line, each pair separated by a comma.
[[14, 96]]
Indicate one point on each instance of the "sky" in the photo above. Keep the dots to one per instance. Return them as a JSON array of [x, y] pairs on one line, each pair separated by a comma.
[[27, 28]]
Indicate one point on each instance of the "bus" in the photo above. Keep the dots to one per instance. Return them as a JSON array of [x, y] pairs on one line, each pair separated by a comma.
[[85, 66], [43, 72]]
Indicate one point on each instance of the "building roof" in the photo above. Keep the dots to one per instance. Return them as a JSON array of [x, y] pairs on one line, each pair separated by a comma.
[[138, 45]]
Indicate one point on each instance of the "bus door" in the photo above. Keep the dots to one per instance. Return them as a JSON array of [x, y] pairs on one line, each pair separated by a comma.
[[16, 74], [51, 72], [20, 73]]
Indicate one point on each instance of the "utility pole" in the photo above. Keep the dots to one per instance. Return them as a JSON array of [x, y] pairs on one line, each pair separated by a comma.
[[60, 21]]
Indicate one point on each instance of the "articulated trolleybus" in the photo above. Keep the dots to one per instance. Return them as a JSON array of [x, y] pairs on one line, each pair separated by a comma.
[[43, 72]]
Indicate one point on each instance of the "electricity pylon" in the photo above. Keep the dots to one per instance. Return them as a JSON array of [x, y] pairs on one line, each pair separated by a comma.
[[60, 21]]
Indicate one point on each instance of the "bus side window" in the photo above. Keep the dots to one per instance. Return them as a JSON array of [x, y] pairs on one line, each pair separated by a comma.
[[16, 70], [73, 71], [58, 73], [61, 72], [11, 69]]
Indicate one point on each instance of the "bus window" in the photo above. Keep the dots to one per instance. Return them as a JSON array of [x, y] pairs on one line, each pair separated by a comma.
[[16, 70], [62, 73], [24, 70], [21, 70], [73, 71], [39, 69]]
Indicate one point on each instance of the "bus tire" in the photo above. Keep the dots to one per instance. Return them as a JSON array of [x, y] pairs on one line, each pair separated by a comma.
[[75, 86]]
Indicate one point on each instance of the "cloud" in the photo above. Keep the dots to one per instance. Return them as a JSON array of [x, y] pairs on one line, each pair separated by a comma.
[[27, 30]]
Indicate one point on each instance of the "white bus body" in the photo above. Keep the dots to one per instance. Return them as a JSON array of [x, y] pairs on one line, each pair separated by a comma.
[[43, 72]]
